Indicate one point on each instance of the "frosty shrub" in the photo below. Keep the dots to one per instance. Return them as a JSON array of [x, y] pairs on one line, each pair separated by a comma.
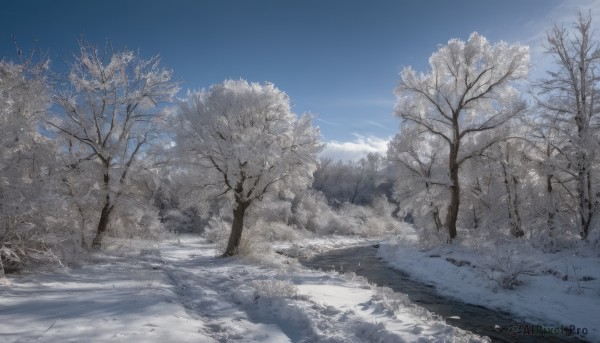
[[560, 238], [382, 207], [314, 214], [372, 221], [217, 231], [271, 219], [341, 222], [311, 210], [38, 229], [376, 226], [28, 244], [272, 231], [270, 209], [356, 215], [430, 237], [275, 289], [136, 223], [504, 269], [392, 301]]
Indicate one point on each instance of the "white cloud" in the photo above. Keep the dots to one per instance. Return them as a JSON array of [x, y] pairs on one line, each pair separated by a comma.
[[355, 149]]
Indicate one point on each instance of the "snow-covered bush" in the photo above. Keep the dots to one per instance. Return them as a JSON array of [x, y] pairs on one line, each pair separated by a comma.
[[136, 223], [312, 213], [273, 231], [429, 237], [217, 231], [390, 300], [272, 208], [308, 209], [22, 244], [505, 269], [275, 289], [551, 239], [271, 219]]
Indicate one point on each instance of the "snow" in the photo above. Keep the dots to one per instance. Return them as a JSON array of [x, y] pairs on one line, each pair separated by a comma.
[[554, 289], [108, 302], [179, 291]]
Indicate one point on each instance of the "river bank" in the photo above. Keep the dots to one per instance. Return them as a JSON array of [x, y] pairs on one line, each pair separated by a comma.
[[557, 291]]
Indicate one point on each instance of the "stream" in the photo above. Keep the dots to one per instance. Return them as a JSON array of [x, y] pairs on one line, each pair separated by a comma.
[[363, 261]]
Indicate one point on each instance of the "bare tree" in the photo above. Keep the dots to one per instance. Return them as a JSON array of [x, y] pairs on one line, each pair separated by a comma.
[[467, 91], [569, 99], [110, 112]]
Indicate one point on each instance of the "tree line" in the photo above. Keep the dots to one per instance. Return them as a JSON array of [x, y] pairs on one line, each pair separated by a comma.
[[98, 148]]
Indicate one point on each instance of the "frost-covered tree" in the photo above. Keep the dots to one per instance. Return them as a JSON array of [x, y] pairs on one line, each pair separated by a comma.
[[569, 99], [495, 184], [468, 90], [27, 165], [558, 204], [247, 142], [110, 111], [420, 181]]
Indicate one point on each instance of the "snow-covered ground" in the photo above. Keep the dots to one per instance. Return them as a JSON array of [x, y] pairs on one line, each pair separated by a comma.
[[180, 292], [550, 289]]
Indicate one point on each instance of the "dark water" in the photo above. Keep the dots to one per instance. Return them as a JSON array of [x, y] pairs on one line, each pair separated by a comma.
[[483, 321]]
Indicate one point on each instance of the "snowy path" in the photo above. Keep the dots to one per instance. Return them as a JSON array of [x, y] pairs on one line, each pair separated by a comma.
[[182, 293], [114, 301]]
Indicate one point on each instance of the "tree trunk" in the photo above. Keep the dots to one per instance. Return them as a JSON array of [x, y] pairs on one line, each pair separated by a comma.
[[454, 205], [236, 229], [102, 224], [518, 232], [512, 204], [106, 210], [551, 210], [585, 212], [475, 218], [435, 212]]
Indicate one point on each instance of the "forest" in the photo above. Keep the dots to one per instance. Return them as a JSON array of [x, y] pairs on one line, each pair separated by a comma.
[[107, 149]]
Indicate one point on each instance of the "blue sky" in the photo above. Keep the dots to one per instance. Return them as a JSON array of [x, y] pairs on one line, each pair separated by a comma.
[[337, 59]]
